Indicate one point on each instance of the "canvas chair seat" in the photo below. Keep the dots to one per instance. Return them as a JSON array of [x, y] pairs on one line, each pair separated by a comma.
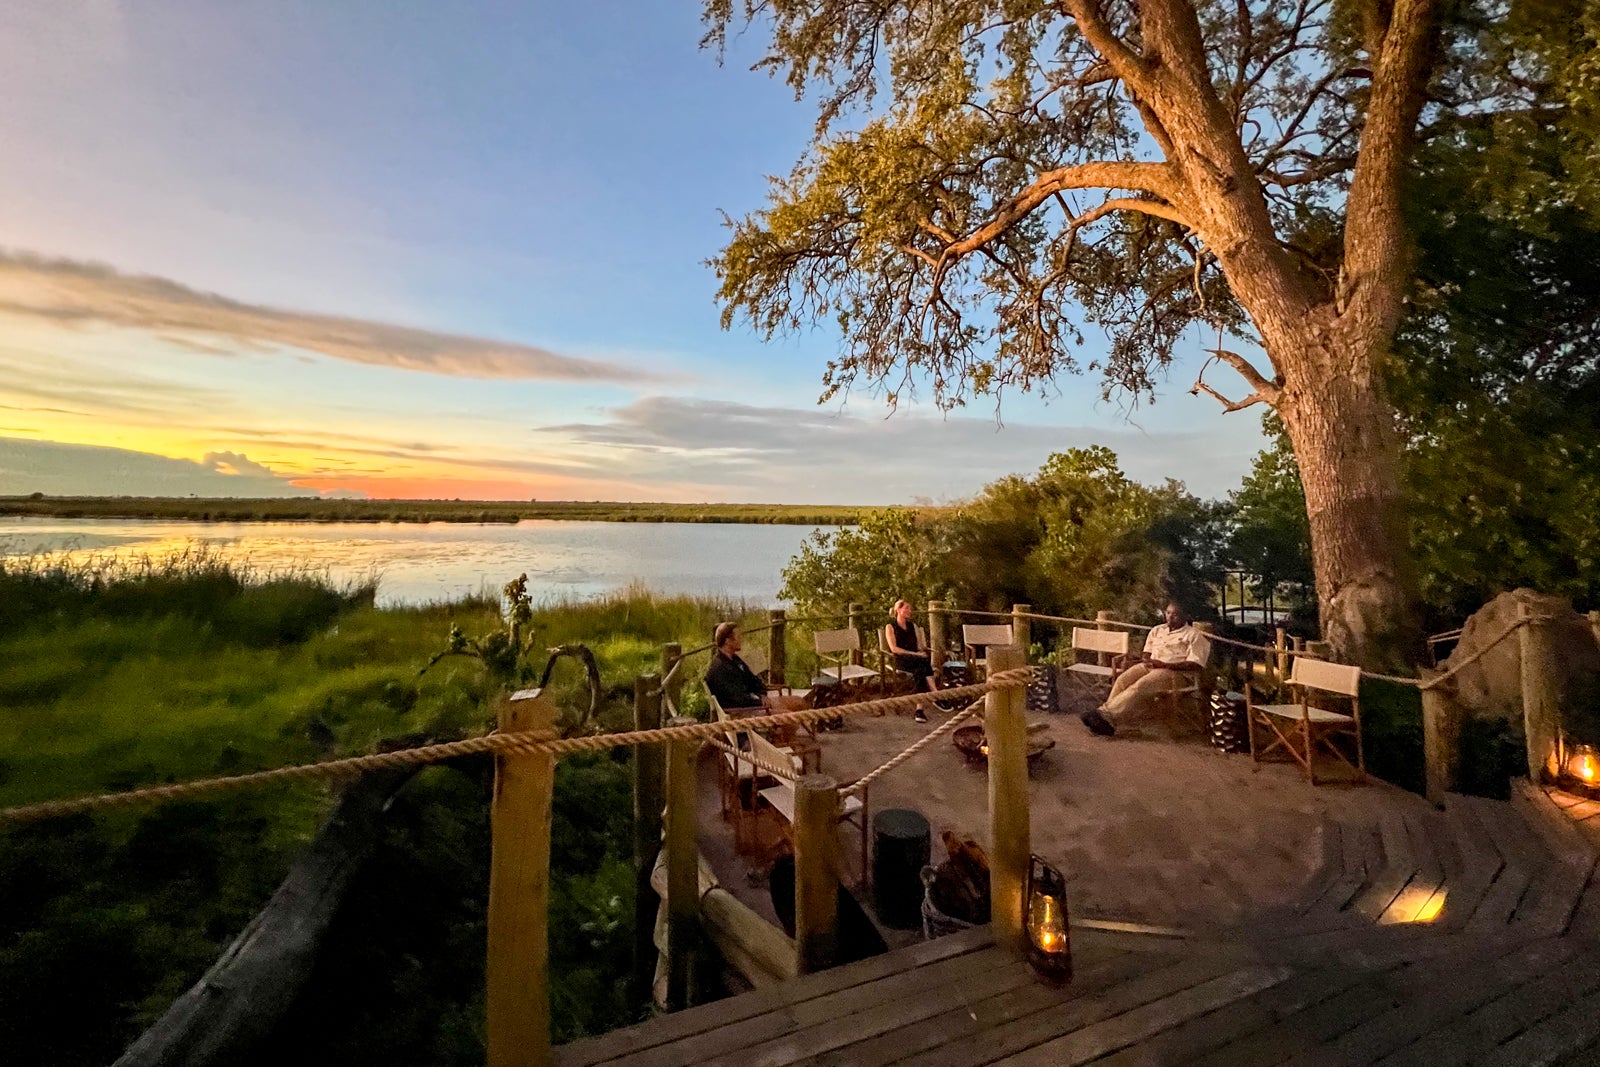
[[1294, 711], [1304, 732], [1093, 677], [836, 650]]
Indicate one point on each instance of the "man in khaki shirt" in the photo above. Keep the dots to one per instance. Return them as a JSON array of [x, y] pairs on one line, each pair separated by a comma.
[[1174, 654]]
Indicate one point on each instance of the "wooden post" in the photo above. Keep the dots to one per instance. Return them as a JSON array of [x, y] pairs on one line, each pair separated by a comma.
[[518, 996], [1280, 659], [936, 635], [1005, 723], [855, 624], [1541, 699], [1102, 619], [816, 872], [1594, 625], [1441, 737], [671, 653], [1021, 631], [777, 647], [683, 867], [649, 796]]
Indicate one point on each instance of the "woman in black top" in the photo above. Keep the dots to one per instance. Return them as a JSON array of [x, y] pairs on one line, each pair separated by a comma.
[[900, 637]]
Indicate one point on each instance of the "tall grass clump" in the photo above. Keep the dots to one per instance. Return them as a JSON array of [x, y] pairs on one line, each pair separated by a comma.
[[117, 676], [259, 608]]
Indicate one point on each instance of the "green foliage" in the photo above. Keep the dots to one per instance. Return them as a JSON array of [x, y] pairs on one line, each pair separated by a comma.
[[1271, 533], [891, 555], [1077, 537], [1391, 733], [107, 918]]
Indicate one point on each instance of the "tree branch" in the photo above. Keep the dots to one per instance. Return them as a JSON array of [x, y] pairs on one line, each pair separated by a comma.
[[1265, 392], [1092, 24], [1157, 179]]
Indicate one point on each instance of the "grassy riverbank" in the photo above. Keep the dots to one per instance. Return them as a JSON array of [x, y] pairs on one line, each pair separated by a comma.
[[311, 509], [188, 668]]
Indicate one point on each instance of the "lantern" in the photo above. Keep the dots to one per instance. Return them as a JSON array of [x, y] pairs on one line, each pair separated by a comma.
[[1049, 939], [1583, 767]]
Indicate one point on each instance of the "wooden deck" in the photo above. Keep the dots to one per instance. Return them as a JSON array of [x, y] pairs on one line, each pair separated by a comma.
[[1321, 926], [1388, 995]]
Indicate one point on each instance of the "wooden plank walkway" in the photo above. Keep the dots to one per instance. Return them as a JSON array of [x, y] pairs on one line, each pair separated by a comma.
[[1411, 936], [1137, 999]]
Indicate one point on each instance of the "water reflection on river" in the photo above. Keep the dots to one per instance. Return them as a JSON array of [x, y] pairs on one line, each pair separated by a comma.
[[421, 562]]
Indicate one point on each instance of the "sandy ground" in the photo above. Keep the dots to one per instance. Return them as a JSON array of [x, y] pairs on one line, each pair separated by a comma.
[[1149, 829]]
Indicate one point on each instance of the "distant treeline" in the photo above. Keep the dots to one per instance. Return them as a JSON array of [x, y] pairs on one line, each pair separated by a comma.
[[312, 509]]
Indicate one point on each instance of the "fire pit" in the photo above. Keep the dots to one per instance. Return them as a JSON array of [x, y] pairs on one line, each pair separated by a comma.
[[970, 740]]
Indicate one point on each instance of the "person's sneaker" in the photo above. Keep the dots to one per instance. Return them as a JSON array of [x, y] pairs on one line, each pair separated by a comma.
[[920, 716], [1098, 723]]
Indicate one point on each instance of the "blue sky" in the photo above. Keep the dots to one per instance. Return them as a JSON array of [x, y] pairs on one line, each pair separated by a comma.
[[459, 252]]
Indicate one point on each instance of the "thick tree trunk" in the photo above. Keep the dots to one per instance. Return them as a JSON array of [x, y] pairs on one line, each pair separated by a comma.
[[1343, 430]]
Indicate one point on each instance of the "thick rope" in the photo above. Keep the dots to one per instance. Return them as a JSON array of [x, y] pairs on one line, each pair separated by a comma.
[[860, 785], [496, 743], [1098, 623]]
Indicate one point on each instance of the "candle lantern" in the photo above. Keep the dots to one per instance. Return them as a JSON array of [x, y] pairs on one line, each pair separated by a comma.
[[1049, 939], [1582, 768]]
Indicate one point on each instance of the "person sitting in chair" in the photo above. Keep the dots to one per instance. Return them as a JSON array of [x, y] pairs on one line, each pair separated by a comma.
[[1174, 654], [735, 685], [900, 638]]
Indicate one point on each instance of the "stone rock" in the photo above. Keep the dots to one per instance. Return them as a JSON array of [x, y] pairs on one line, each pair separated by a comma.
[[1491, 687]]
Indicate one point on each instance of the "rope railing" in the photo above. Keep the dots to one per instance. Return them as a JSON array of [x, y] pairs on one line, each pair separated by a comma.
[[860, 785], [495, 743]]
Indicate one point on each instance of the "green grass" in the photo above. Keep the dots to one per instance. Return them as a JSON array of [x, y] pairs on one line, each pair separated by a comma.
[[112, 679], [312, 509]]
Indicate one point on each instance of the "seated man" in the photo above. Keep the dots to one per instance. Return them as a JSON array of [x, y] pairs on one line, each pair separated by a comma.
[[735, 685], [1174, 654]]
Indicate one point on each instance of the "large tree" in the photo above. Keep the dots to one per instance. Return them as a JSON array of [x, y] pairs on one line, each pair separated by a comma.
[[990, 177]]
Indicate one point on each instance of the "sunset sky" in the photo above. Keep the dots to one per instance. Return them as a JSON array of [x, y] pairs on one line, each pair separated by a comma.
[[442, 250]]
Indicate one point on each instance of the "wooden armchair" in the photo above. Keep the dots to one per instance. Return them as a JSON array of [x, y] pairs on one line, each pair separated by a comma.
[[1302, 730], [1093, 676], [836, 650], [984, 637]]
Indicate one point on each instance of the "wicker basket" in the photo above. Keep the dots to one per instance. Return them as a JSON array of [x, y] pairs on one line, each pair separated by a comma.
[[936, 923]]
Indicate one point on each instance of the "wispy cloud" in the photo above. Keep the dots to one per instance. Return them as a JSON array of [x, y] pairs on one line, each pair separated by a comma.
[[72, 293], [720, 450]]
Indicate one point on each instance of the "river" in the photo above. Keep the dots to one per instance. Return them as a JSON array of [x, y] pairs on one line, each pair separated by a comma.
[[423, 562]]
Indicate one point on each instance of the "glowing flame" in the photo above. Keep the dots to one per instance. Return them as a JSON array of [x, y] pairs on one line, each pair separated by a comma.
[[1583, 765]]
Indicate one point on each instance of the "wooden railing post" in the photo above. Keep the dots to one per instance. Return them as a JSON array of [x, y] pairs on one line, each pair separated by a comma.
[[1280, 658], [936, 635], [777, 647], [1021, 631], [1102, 619], [816, 872], [683, 867], [855, 624], [649, 796], [671, 653], [1441, 738], [1005, 724], [518, 995], [1541, 702]]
